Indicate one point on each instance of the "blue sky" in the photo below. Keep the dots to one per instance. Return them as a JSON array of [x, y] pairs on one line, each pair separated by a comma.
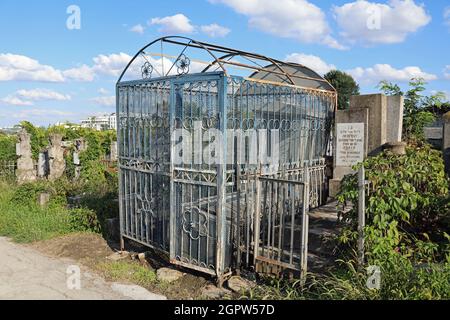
[[49, 73]]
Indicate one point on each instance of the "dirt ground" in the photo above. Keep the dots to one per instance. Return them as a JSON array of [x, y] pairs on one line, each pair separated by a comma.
[[91, 250]]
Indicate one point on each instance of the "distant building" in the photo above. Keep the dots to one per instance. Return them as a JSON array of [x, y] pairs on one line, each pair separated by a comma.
[[104, 122], [10, 130]]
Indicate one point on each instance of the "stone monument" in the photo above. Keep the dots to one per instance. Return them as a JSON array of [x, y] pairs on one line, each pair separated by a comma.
[[26, 171], [57, 164], [371, 123]]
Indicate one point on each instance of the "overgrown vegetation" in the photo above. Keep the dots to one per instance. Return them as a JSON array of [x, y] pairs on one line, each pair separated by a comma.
[[417, 107], [22, 219], [7, 147], [406, 234], [81, 204], [128, 271]]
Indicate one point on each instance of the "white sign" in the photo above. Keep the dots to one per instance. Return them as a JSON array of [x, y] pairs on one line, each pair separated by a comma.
[[349, 144]]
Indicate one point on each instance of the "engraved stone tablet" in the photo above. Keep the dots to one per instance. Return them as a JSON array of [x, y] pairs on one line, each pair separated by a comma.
[[349, 144]]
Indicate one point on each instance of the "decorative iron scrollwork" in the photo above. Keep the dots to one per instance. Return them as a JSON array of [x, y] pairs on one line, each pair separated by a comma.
[[146, 207], [147, 70], [183, 64], [195, 223]]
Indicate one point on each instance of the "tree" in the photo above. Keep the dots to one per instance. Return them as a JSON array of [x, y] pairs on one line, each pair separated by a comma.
[[345, 85], [416, 115]]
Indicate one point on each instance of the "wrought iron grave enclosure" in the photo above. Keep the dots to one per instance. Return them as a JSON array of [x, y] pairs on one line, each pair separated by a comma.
[[238, 210]]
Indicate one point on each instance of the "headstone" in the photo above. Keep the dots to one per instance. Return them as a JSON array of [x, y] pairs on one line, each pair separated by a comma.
[[43, 199], [57, 164], [376, 129], [26, 171], [382, 117], [394, 118], [42, 165], [349, 144]]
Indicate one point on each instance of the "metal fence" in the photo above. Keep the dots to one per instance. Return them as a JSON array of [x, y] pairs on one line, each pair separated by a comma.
[[218, 217]]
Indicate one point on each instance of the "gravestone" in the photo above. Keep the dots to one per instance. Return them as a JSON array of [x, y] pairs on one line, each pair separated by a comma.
[[349, 144], [26, 171], [42, 169], [363, 130], [376, 104], [394, 118], [57, 164]]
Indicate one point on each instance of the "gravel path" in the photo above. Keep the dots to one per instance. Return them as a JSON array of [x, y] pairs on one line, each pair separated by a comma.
[[27, 274]]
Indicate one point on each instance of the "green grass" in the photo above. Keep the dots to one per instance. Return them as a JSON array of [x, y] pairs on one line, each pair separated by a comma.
[[400, 280], [25, 221], [128, 271]]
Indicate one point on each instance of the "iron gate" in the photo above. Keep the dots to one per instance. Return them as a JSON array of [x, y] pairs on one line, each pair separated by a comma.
[[197, 189]]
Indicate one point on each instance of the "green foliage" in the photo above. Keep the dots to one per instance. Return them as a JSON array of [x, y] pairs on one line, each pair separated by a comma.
[[416, 114], [407, 220], [83, 219], [7, 147], [126, 271], [345, 85], [39, 138], [408, 201]]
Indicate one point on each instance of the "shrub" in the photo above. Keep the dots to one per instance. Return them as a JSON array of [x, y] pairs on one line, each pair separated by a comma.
[[407, 202]]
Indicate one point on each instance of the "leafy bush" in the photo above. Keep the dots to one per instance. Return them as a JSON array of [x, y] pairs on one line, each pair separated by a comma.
[[407, 202], [7, 147], [416, 115], [82, 219]]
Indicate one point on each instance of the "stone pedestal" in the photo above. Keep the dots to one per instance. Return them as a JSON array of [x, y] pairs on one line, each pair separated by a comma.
[[397, 148]]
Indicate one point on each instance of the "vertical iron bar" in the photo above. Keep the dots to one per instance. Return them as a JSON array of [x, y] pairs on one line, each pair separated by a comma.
[[305, 225]]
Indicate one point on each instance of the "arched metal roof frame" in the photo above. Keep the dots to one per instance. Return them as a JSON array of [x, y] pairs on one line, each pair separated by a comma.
[[226, 59]]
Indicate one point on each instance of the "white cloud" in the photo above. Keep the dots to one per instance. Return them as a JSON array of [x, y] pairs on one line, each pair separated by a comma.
[[313, 62], [111, 64], [178, 23], [105, 101], [215, 31], [447, 72], [447, 16], [42, 94], [372, 23], [27, 97], [103, 91], [379, 72], [15, 67], [139, 28], [15, 101], [29, 113], [82, 73], [296, 19]]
